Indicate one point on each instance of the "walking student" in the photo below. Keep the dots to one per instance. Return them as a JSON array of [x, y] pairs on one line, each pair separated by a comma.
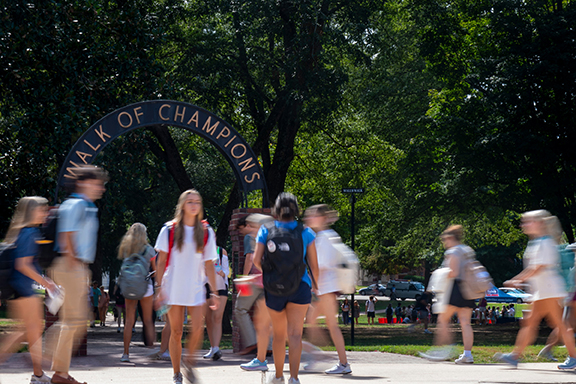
[[370, 309], [541, 261], [283, 249], [214, 317], [77, 239], [135, 241], [319, 218], [103, 305], [26, 305], [260, 330], [455, 260], [187, 248]]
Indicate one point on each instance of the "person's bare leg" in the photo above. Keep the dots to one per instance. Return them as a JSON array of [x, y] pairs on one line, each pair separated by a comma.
[[147, 304], [165, 340], [217, 316], [554, 318], [29, 311], [329, 307], [527, 333], [263, 325], [467, 332], [129, 323], [209, 320], [443, 335], [195, 333], [176, 318], [295, 314], [279, 329]]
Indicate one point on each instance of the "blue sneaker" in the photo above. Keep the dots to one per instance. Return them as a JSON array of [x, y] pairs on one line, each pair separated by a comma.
[[508, 358], [569, 364], [255, 365]]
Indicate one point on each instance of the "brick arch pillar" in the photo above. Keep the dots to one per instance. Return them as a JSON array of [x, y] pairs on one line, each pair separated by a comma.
[[237, 261]]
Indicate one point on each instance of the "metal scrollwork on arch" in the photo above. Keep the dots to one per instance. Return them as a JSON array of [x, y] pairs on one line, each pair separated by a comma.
[[226, 139]]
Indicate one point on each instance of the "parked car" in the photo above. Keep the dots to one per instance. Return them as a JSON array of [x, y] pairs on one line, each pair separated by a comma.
[[404, 289], [374, 289], [506, 295], [521, 296]]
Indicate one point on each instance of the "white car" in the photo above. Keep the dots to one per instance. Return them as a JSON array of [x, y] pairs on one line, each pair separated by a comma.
[[520, 295]]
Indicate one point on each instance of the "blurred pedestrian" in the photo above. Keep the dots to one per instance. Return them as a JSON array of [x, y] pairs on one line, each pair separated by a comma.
[[103, 305], [455, 258], [541, 261], [214, 317], [77, 239], [320, 218], [345, 307], [26, 305]]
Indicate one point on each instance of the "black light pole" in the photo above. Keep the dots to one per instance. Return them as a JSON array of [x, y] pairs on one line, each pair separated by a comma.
[[353, 192]]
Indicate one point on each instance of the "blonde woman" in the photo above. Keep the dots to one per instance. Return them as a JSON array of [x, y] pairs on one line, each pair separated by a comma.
[[319, 218], [26, 305], [541, 272], [186, 249], [136, 241]]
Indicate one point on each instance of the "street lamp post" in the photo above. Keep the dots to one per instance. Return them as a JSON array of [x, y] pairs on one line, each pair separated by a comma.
[[352, 192]]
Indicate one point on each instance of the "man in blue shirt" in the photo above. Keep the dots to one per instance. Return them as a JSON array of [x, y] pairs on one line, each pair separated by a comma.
[[77, 239]]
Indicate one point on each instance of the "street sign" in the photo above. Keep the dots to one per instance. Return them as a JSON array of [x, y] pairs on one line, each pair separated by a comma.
[[352, 190]]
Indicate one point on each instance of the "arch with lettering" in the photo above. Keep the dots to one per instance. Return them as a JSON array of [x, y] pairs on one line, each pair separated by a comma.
[[226, 139]]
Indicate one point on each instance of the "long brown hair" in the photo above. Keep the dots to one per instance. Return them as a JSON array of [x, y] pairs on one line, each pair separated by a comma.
[[23, 215], [179, 222], [134, 241]]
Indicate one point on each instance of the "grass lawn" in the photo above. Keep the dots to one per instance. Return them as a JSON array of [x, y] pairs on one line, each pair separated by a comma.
[[398, 339]]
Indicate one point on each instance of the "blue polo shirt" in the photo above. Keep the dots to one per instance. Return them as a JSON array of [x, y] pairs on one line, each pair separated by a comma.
[[308, 237], [80, 215]]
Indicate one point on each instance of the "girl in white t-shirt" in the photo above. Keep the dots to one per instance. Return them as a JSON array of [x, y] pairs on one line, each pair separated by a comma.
[[319, 218], [541, 261], [186, 247]]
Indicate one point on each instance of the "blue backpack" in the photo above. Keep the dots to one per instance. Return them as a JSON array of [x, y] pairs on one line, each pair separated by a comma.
[[134, 276]]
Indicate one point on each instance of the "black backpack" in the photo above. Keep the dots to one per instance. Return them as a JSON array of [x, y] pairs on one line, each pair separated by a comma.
[[49, 230], [6, 269], [282, 263]]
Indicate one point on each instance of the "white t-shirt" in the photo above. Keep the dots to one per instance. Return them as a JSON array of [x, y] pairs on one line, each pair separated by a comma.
[[369, 306], [183, 280], [547, 283], [221, 282], [327, 276]]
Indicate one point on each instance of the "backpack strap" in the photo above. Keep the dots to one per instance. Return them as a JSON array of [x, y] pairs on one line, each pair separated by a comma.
[[171, 238]]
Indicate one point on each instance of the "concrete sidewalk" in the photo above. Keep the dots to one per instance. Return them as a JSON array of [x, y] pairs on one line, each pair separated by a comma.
[[103, 366]]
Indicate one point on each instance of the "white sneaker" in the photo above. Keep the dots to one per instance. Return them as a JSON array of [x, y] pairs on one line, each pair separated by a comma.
[[125, 358], [427, 331], [438, 353], [275, 380], [38, 380], [463, 359], [339, 369], [177, 378], [209, 354], [293, 381]]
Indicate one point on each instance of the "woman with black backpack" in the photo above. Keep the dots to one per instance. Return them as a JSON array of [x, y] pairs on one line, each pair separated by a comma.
[[26, 304], [283, 250], [135, 241]]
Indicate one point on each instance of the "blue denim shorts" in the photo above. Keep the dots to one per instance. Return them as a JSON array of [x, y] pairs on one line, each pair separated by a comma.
[[302, 296]]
